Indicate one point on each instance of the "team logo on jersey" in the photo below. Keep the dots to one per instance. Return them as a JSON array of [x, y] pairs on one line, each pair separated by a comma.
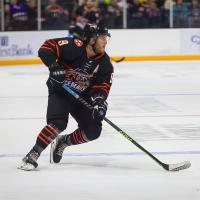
[[78, 42], [96, 69], [62, 42], [78, 80]]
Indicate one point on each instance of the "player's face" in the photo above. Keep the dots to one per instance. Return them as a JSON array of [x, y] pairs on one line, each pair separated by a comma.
[[101, 43]]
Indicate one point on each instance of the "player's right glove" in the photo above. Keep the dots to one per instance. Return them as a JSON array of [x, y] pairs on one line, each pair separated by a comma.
[[100, 107], [57, 73]]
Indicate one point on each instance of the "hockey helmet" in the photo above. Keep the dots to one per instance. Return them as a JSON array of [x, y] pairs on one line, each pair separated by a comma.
[[93, 31], [76, 31]]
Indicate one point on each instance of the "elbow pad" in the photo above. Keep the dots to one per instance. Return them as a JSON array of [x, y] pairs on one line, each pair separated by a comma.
[[46, 56]]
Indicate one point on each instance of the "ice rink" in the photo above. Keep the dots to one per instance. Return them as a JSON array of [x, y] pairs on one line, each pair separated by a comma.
[[156, 103]]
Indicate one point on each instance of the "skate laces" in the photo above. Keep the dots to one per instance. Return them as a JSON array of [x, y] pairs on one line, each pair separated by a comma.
[[34, 155], [61, 148]]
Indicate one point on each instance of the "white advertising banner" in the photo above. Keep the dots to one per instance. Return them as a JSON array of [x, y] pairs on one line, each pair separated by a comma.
[[24, 45], [190, 41], [146, 42]]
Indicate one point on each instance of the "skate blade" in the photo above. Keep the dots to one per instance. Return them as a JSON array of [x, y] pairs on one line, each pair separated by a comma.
[[26, 166], [53, 145]]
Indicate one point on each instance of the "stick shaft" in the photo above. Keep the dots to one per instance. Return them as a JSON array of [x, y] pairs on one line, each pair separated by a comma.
[[114, 126]]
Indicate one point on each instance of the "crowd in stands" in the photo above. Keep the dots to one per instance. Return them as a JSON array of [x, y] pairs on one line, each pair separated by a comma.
[[60, 14], [186, 14], [0, 14], [20, 15]]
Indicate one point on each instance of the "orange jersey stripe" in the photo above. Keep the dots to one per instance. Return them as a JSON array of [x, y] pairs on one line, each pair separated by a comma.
[[106, 91], [108, 85], [99, 86], [57, 51], [43, 47], [51, 44]]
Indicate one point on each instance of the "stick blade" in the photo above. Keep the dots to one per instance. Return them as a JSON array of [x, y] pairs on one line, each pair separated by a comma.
[[179, 166]]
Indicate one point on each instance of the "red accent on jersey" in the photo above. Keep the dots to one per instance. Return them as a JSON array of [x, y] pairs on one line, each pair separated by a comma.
[[78, 42]]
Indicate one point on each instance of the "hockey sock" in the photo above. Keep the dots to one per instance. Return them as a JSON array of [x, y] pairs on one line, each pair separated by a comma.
[[77, 137], [45, 137]]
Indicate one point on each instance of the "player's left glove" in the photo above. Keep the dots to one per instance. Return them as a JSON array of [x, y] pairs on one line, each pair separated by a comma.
[[57, 73], [100, 107]]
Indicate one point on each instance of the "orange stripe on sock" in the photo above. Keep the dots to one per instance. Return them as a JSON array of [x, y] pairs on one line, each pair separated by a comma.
[[75, 141], [81, 137], [48, 139], [84, 136], [43, 140], [48, 131], [76, 135], [53, 129]]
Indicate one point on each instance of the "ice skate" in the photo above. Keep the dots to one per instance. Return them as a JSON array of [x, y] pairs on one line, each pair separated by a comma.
[[29, 163], [57, 148]]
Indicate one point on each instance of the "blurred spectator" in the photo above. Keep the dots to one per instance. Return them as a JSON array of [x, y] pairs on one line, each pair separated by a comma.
[[194, 14], [32, 14], [153, 14], [0, 14], [111, 13], [165, 13], [180, 14], [88, 12], [60, 14], [16, 15], [136, 15], [55, 16], [70, 5]]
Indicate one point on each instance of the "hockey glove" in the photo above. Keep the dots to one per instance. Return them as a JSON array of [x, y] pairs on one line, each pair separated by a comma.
[[100, 107], [57, 73]]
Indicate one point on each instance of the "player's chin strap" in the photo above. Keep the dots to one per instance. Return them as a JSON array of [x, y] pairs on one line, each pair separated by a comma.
[[94, 46], [168, 167]]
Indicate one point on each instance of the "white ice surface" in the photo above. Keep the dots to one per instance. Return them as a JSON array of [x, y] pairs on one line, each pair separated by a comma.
[[156, 103]]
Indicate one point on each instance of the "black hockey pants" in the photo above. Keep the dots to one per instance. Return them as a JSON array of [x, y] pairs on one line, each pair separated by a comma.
[[61, 104]]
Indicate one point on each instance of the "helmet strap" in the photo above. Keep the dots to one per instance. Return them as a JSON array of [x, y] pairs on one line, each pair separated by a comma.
[[94, 46]]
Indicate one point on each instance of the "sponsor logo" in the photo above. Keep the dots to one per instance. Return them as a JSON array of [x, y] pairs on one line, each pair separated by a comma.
[[196, 39], [8, 49], [63, 42], [15, 50], [78, 42], [75, 86], [3, 41]]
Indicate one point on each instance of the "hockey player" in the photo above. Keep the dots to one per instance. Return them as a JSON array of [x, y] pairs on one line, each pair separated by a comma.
[[86, 68]]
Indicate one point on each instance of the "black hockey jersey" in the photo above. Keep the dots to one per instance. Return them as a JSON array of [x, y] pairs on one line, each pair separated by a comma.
[[83, 74]]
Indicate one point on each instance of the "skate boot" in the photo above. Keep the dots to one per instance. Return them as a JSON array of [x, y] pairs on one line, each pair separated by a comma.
[[57, 148], [29, 161]]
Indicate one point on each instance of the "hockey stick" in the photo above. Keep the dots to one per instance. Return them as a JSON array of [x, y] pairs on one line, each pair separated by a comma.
[[118, 60], [168, 167]]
